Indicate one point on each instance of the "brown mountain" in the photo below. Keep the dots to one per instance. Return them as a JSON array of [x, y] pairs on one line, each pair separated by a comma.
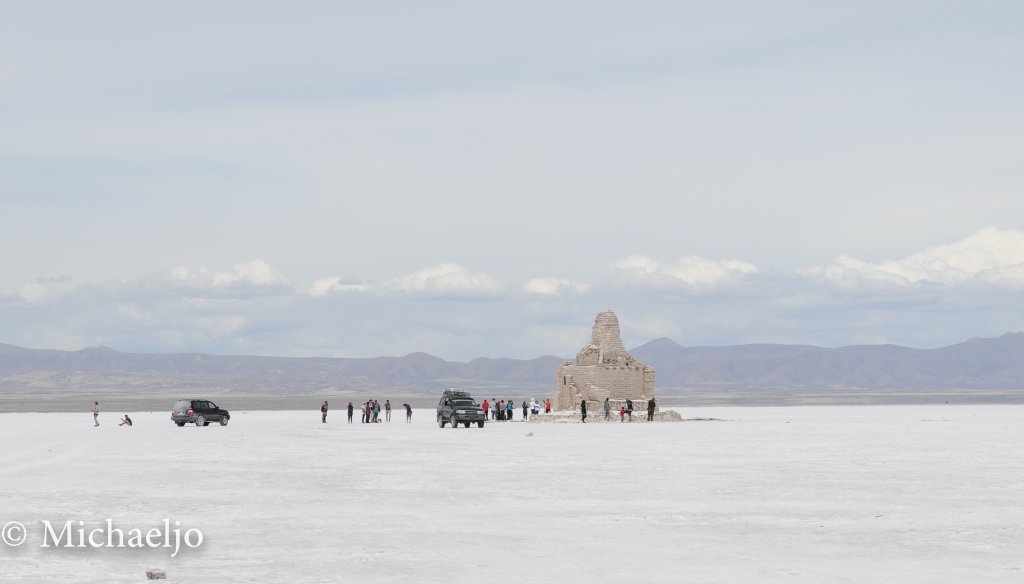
[[975, 364]]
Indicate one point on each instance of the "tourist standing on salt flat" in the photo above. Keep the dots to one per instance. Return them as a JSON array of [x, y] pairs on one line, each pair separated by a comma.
[[387, 410], [583, 410], [350, 409], [650, 410], [408, 413], [485, 406], [607, 410], [323, 413], [95, 413]]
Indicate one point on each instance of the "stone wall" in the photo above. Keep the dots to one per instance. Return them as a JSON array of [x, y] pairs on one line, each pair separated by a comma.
[[603, 369]]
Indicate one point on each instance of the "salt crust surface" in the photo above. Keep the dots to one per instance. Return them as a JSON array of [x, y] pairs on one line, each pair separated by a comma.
[[797, 494]]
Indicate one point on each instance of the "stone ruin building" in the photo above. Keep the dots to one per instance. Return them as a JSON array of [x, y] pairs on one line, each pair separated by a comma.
[[604, 369]]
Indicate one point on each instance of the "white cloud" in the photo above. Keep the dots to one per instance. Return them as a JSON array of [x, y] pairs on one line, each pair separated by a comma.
[[990, 257], [446, 280], [442, 280], [252, 273], [40, 291], [941, 295], [136, 314], [333, 284], [690, 273], [253, 278], [554, 287]]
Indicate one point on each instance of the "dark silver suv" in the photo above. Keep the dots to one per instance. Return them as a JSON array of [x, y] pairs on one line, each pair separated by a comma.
[[199, 412], [458, 407]]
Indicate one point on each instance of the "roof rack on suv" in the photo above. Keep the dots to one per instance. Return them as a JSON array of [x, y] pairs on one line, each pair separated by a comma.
[[453, 392]]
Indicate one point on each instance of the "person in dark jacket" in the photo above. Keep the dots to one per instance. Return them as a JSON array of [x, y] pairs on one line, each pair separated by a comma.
[[650, 410], [350, 409], [583, 410], [323, 413], [629, 409]]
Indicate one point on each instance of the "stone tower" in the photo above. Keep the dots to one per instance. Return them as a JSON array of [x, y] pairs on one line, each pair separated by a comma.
[[604, 369]]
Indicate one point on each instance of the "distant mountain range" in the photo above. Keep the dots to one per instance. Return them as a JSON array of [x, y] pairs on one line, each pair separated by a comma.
[[974, 364]]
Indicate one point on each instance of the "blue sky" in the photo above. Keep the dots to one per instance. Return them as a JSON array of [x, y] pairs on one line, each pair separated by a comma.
[[480, 179]]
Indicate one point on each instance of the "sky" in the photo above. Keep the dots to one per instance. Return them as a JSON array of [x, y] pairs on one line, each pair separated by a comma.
[[475, 179]]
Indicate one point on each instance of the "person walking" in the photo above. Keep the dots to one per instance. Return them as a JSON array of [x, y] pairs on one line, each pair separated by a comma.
[[583, 410], [408, 413], [323, 413], [95, 413], [650, 410], [350, 409], [387, 410], [607, 409]]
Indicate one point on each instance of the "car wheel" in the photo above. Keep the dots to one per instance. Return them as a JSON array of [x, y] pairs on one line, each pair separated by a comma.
[[440, 422], [223, 421], [455, 423], [480, 424], [200, 421]]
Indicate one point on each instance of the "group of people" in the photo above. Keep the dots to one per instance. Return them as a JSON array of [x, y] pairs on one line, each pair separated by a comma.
[[624, 410], [370, 411], [501, 410], [95, 409]]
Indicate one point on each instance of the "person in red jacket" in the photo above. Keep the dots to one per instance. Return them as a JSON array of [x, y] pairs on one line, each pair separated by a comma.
[[486, 406]]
